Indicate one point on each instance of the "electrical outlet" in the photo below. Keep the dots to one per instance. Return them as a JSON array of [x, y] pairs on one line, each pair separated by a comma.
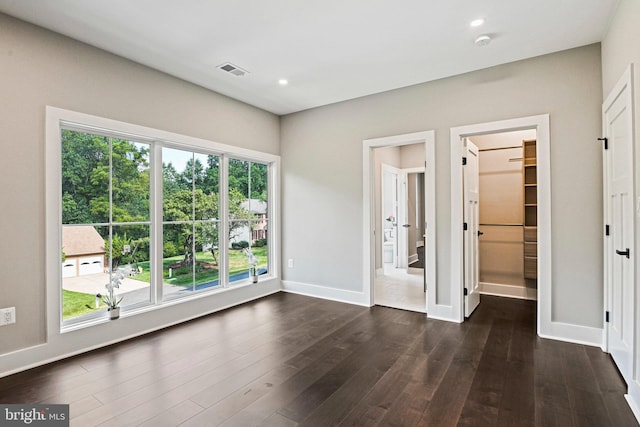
[[290, 262], [7, 316]]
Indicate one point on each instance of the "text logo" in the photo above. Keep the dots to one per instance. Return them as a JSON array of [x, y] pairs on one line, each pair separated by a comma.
[[34, 415]]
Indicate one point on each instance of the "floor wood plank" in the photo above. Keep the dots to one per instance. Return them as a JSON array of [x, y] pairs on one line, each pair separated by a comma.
[[290, 360]]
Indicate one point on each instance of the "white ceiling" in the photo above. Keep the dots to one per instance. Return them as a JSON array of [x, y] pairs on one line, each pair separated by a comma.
[[329, 50]]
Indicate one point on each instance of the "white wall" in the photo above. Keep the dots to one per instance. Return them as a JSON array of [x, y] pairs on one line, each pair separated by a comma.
[[621, 47], [322, 155], [40, 68]]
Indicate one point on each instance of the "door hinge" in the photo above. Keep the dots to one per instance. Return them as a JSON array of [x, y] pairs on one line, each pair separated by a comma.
[[606, 142], [606, 316], [606, 230], [465, 292], [464, 161], [465, 226]]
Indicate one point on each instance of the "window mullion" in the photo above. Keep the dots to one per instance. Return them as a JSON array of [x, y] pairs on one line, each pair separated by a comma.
[[193, 222], [223, 197], [110, 207], [157, 239]]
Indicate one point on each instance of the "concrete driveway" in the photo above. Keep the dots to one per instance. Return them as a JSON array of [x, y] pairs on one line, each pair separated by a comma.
[[95, 284]]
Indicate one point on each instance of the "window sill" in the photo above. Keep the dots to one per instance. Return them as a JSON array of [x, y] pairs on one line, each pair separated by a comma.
[[164, 304]]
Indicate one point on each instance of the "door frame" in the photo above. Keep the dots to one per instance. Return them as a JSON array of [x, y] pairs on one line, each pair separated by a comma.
[[541, 124], [368, 212]]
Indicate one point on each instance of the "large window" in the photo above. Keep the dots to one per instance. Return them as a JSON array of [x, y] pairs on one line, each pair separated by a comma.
[[169, 219]]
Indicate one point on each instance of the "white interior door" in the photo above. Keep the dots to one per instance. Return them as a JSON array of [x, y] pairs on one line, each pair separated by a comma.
[[403, 225], [390, 214], [472, 221], [619, 211]]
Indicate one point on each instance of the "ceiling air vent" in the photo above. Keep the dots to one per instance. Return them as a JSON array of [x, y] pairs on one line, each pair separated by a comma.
[[233, 69]]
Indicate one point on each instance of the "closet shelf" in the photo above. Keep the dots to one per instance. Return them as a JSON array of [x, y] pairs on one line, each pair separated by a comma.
[[530, 202]]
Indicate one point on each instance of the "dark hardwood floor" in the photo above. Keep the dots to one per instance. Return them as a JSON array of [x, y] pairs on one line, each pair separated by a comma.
[[290, 360]]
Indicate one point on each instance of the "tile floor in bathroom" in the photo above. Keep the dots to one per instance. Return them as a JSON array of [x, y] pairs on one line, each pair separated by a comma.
[[398, 289]]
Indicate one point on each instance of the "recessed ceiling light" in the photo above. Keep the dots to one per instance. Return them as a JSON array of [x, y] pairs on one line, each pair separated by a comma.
[[483, 40], [283, 82], [477, 22]]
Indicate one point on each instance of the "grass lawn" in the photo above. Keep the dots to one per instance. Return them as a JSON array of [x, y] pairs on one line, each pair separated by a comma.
[[182, 277], [75, 304]]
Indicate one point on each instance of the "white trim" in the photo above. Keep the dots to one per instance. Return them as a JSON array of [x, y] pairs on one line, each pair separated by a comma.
[[411, 259], [441, 312], [368, 264], [508, 291], [633, 398], [541, 125], [576, 334], [325, 292]]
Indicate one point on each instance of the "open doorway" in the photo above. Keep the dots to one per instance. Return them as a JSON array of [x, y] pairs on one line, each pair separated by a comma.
[[539, 173], [399, 201], [400, 280], [507, 213]]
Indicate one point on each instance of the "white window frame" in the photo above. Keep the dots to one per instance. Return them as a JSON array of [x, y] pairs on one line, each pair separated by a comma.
[[56, 117]]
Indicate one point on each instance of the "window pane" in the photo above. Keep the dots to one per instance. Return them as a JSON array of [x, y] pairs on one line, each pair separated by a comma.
[[177, 190], [239, 177], [260, 245], [84, 271], [205, 173], [130, 181], [85, 178], [258, 189], [207, 267], [177, 263], [130, 253], [239, 237]]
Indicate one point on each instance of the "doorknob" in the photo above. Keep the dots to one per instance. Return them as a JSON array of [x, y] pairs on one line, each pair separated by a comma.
[[406, 225], [480, 233], [623, 253]]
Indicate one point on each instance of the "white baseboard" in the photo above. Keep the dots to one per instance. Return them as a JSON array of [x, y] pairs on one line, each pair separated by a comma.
[[576, 334], [441, 312], [82, 341], [510, 291], [633, 398], [325, 292], [412, 258]]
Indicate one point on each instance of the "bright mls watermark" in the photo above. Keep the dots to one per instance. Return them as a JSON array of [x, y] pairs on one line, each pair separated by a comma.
[[34, 415]]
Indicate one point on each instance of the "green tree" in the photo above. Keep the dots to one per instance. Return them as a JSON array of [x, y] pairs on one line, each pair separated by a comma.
[[90, 163]]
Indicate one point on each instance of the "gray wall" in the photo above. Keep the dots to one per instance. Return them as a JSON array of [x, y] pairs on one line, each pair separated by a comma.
[[322, 162], [40, 68]]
